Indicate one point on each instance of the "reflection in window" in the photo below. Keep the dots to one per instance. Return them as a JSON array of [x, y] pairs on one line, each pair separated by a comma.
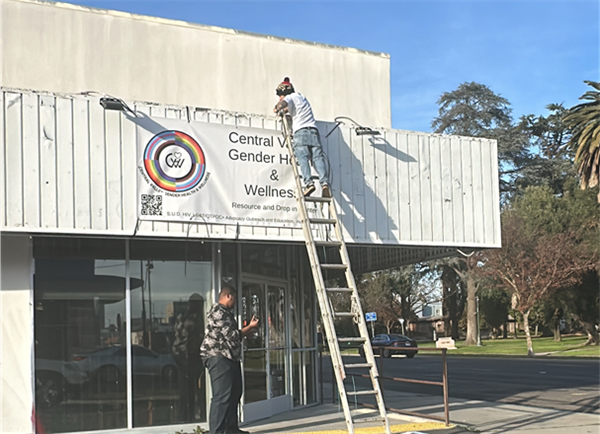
[[276, 301], [277, 372], [310, 369], [229, 261], [253, 304], [265, 260], [80, 369], [255, 376], [168, 312], [309, 317], [296, 313], [297, 377]]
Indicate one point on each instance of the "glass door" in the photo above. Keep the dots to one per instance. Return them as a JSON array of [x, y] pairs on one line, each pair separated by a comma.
[[266, 390]]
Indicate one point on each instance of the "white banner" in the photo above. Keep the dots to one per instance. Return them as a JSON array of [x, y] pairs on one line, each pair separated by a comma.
[[213, 173]]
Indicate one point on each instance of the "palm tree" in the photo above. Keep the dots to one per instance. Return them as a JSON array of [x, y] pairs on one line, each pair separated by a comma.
[[584, 121]]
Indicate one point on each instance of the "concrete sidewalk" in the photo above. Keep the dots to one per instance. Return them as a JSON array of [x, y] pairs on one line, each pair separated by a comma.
[[466, 416]]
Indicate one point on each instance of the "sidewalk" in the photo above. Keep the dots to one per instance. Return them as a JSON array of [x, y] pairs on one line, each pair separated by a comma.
[[466, 416]]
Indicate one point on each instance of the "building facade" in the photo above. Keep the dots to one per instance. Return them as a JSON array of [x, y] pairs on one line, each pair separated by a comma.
[[98, 287]]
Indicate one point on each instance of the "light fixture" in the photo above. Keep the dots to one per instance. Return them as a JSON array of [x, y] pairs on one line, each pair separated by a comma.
[[112, 103], [360, 130], [366, 131]]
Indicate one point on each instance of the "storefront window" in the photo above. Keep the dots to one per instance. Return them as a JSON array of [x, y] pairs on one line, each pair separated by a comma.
[[303, 362], [277, 372], [310, 369], [296, 314], [81, 353], [255, 376], [308, 293], [168, 311], [297, 377], [229, 263], [80, 369], [264, 260]]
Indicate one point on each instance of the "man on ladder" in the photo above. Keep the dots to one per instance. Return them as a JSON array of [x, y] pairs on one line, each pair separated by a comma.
[[306, 141]]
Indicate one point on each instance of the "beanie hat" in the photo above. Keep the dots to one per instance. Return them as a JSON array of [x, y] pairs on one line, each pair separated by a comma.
[[285, 87]]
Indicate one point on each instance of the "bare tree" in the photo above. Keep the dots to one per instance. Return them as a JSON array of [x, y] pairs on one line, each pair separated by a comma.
[[398, 293], [533, 265]]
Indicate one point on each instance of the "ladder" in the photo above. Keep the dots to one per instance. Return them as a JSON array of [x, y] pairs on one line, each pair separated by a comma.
[[318, 233]]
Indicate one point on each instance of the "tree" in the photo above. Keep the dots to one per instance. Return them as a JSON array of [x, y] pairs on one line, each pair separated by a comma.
[[540, 254], [397, 293], [584, 119], [465, 267], [454, 297], [471, 110], [582, 301], [378, 294], [494, 305], [550, 162]]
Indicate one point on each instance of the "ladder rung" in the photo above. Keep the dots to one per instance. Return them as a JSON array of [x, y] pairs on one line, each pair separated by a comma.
[[334, 266], [362, 392], [368, 419], [317, 199], [322, 221], [358, 365], [339, 289], [352, 339], [328, 243], [344, 314]]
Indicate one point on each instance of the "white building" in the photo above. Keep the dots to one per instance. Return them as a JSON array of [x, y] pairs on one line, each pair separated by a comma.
[[92, 285]]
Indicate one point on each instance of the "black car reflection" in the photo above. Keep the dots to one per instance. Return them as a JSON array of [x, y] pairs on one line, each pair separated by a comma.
[[400, 343]]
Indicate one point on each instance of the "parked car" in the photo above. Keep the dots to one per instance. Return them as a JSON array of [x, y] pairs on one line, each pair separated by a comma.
[[399, 343], [108, 365]]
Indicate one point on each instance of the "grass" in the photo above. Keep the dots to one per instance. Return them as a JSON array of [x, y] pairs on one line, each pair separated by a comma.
[[570, 346]]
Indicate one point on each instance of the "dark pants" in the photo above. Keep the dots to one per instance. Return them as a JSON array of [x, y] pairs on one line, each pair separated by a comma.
[[189, 372], [226, 382]]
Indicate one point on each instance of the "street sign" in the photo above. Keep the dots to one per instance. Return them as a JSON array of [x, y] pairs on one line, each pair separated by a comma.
[[371, 316]]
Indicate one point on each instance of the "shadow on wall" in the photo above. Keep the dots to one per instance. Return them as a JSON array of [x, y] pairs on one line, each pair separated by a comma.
[[359, 170], [382, 145]]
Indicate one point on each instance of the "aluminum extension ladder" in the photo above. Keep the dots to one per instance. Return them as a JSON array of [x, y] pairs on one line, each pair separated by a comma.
[[318, 233]]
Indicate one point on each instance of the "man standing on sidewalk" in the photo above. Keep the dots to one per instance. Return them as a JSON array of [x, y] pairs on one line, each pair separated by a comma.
[[306, 141], [221, 351]]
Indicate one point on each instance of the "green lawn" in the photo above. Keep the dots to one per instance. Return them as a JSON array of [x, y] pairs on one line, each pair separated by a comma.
[[570, 346]]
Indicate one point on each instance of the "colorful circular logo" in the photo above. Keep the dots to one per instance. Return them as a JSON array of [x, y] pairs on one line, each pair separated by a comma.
[[174, 161]]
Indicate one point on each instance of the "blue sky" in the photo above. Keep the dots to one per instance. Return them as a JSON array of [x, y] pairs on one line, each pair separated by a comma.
[[533, 53]]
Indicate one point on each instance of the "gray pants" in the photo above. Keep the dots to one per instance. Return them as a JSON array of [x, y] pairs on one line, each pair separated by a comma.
[[226, 382]]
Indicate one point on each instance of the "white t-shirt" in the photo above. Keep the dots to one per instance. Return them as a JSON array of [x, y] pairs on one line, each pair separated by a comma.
[[299, 108]]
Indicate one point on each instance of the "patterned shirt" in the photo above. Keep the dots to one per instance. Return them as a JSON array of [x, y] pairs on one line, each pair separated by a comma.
[[188, 334], [222, 336]]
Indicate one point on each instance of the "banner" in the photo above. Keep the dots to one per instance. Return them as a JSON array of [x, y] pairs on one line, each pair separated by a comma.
[[214, 173]]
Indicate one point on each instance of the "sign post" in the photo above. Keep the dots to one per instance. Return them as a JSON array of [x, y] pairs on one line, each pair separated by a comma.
[[402, 324], [371, 317]]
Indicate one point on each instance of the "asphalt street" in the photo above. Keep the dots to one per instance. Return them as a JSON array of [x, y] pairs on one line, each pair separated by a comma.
[[559, 384]]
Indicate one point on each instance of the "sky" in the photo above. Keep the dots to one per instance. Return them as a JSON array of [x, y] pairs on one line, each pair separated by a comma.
[[533, 53]]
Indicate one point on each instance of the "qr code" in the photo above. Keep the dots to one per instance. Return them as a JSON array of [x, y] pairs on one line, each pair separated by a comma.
[[152, 204]]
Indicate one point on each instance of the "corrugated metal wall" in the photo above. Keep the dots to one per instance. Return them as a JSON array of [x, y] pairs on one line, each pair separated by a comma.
[[70, 167]]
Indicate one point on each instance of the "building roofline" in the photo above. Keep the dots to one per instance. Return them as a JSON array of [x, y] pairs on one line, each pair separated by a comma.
[[191, 25]]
